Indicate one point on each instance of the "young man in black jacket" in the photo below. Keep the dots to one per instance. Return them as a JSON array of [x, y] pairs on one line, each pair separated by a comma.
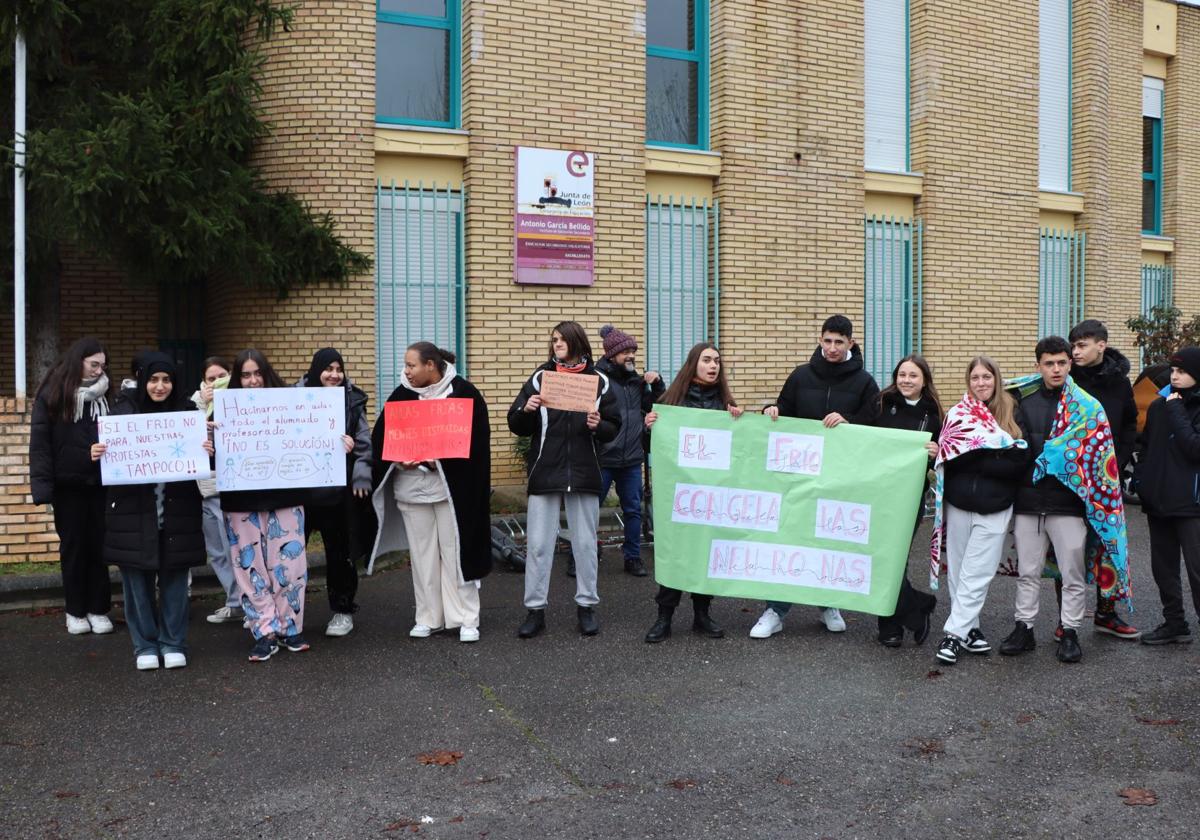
[[621, 459], [1103, 372], [1047, 512], [834, 388]]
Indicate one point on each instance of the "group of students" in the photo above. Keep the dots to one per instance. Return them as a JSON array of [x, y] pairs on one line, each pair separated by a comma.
[[1037, 456]]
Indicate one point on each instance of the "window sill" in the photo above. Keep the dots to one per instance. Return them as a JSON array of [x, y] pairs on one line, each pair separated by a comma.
[[1061, 202], [893, 183], [426, 142], [683, 161], [1160, 244]]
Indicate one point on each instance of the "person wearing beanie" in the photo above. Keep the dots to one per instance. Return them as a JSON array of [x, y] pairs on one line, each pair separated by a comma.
[[621, 459], [1165, 477]]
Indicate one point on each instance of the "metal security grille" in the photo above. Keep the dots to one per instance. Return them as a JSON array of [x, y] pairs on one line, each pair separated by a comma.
[[1158, 287], [1061, 279], [420, 290], [682, 280], [892, 304]]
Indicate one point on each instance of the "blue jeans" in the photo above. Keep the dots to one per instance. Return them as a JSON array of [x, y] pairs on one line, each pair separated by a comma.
[[156, 627], [629, 491]]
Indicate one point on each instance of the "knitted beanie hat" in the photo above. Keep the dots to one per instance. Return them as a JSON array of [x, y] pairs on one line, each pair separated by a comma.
[[616, 341], [1185, 358]]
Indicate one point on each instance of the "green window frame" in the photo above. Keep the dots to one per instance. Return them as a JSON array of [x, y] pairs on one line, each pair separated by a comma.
[[893, 292], [1154, 176], [698, 55], [1062, 280], [451, 23]]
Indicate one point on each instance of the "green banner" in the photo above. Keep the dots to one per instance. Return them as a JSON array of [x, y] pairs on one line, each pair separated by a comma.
[[784, 510]]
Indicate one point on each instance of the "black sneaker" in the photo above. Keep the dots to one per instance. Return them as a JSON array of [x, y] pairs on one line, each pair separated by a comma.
[[589, 625], [976, 643], [1165, 634], [1019, 641], [534, 623], [264, 649], [634, 566], [571, 566], [948, 650], [1069, 649], [296, 643]]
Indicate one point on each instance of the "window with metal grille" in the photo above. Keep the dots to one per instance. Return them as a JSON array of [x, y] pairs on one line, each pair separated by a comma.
[[1158, 287], [892, 304], [682, 281], [1061, 279], [420, 290]]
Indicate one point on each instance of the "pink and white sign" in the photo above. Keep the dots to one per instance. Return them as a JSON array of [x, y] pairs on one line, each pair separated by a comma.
[[553, 224], [790, 564], [846, 521]]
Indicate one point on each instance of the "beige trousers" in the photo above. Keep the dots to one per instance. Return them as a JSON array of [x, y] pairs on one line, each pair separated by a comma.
[[443, 598], [1033, 534]]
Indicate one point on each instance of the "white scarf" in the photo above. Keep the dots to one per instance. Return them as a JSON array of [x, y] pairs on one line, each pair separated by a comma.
[[93, 394], [438, 390]]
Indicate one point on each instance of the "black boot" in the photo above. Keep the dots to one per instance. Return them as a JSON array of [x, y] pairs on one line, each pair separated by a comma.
[[589, 625], [703, 624], [570, 565], [1069, 649], [634, 566], [662, 626], [534, 623], [1018, 641]]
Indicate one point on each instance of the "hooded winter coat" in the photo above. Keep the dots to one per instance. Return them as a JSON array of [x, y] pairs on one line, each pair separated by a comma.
[[1108, 382], [563, 451], [1167, 477], [1036, 415], [634, 400], [819, 388]]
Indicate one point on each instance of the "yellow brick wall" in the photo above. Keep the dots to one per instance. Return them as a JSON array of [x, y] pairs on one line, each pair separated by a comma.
[[1181, 153], [591, 96], [974, 136], [319, 97]]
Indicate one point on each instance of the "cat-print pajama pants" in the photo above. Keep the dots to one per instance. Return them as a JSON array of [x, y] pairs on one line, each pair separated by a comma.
[[269, 563]]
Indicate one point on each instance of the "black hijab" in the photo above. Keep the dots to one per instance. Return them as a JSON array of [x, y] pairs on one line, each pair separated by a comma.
[[322, 359], [153, 362]]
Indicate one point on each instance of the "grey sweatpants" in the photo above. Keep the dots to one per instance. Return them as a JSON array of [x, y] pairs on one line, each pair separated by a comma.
[[1068, 535], [216, 543], [583, 516]]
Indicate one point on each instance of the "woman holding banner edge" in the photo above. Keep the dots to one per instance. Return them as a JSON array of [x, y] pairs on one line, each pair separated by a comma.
[[700, 383], [439, 510]]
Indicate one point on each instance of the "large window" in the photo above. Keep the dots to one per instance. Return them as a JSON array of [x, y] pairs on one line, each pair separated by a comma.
[[885, 85], [1152, 164], [1061, 278], [892, 304], [417, 57], [1054, 95], [677, 73]]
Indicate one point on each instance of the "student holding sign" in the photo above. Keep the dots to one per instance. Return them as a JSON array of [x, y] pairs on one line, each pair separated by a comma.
[[438, 507], [62, 473], [266, 536], [331, 510], [567, 408], [154, 532], [700, 383], [834, 388]]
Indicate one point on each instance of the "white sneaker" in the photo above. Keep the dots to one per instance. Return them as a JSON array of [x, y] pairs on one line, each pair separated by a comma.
[[421, 631], [224, 614], [768, 624], [174, 660], [340, 624], [76, 625], [834, 622], [147, 662], [100, 623], [468, 634]]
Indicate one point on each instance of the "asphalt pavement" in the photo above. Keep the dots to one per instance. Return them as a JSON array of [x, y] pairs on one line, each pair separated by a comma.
[[807, 734]]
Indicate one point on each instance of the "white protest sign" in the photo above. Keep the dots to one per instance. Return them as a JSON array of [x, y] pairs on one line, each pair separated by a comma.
[[792, 564], [728, 507], [706, 449], [793, 453], [149, 448], [848, 521], [280, 437]]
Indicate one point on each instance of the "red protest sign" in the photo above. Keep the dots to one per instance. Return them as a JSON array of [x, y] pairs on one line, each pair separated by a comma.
[[426, 430]]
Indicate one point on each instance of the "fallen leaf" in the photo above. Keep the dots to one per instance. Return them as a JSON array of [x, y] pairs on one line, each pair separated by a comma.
[[681, 784], [614, 786], [1138, 796], [65, 794], [457, 819], [924, 747], [41, 611], [1159, 721], [401, 824], [784, 780], [441, 758], [933, 675], [1028, 717]]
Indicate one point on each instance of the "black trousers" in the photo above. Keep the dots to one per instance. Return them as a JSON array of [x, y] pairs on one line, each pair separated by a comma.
[[79, 521], [341, 576], [1169, 537], [911, 606], [668, 598]]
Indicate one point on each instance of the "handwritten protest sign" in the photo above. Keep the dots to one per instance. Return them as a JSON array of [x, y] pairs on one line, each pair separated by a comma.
[[426, 430], [784, 510], [280, 437], [149, 448], [570, 391]]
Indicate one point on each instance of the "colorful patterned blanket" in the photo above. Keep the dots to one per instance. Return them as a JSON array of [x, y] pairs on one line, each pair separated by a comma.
[[969, 426]]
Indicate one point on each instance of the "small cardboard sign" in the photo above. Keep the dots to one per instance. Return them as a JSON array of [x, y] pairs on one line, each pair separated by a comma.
[[570, 391], [427, 430]]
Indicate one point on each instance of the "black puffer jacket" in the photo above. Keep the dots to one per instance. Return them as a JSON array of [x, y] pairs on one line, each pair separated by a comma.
[[896, 413], [562, 453], [60, 453], [634, 399], [131, 532], [358, 459], [1168, 471], [985, 480], [819, 388], [1036, 415], [1108, 382]]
